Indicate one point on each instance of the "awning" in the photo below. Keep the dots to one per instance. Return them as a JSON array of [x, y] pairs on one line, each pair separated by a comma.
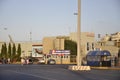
[[99, 53]]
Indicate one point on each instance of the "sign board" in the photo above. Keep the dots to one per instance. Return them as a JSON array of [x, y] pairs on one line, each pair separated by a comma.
[[60, 52], [37, 51]]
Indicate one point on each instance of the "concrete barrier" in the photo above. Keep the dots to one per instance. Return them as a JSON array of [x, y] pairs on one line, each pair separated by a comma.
[[83, 68]]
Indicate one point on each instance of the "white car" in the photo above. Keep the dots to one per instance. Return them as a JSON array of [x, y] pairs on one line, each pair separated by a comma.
[[41, 61], [51, 61]]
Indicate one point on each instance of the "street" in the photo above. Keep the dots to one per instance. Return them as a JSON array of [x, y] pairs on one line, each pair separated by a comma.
[[53, 72]]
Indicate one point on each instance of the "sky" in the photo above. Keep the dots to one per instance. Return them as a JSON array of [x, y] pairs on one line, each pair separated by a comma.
[[41, 18]]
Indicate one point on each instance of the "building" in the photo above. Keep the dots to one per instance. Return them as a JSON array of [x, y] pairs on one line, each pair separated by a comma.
[[57, 43], [53, 43], [116, 37], [110, 43], [87, 41], [48, 44], [26, 47], [107, 45]]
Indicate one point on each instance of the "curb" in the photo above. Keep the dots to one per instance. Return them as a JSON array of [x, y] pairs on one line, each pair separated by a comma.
[[106, 68]]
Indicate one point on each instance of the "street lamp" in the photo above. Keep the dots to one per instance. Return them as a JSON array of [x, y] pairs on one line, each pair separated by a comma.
[[79, 58], [3, 26], [79, 34]]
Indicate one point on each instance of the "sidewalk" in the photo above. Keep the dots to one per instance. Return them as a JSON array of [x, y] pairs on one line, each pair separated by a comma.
[[107, 68]]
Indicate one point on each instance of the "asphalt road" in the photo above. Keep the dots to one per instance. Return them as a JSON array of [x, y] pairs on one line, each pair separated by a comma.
[[53, 72]]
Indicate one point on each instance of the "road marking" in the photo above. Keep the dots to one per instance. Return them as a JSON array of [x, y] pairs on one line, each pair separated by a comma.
[[32, 75]]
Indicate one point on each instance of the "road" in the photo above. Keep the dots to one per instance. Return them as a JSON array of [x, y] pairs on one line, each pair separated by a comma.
[[53, 72]]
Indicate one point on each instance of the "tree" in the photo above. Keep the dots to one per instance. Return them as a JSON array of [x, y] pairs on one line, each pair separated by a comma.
[[18, 52], [2, 51], [9, 51], [5, 50], [13, 52], [72, 46]]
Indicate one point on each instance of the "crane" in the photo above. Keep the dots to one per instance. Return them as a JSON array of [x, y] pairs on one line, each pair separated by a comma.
[[11, 40]]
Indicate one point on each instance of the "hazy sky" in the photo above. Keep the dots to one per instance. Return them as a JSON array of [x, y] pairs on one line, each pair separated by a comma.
[[56, 17]]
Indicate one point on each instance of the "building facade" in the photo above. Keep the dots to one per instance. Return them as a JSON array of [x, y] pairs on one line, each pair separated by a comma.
[[110, 43], [57, 43], [26, 47], [87, 41]]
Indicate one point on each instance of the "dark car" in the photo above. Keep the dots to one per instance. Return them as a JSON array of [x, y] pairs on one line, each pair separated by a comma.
[[51, 61], [30, 61]]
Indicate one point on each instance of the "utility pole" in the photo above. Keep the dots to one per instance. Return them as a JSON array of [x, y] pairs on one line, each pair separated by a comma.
[[79, 56], [79, 34]]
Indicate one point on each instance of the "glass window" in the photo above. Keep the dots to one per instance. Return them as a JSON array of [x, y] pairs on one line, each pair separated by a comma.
[[87, 46]]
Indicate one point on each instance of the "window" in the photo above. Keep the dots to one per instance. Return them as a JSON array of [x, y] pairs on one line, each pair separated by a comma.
[[92, 46], [87, 46]]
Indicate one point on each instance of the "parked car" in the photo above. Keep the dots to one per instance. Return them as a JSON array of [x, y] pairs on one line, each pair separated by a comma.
[[30, 61], [41, 61], [51, 61]]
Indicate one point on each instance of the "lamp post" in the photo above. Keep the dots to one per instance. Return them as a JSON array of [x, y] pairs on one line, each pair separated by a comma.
[[79, 34], [79, 58], [3, 26]]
